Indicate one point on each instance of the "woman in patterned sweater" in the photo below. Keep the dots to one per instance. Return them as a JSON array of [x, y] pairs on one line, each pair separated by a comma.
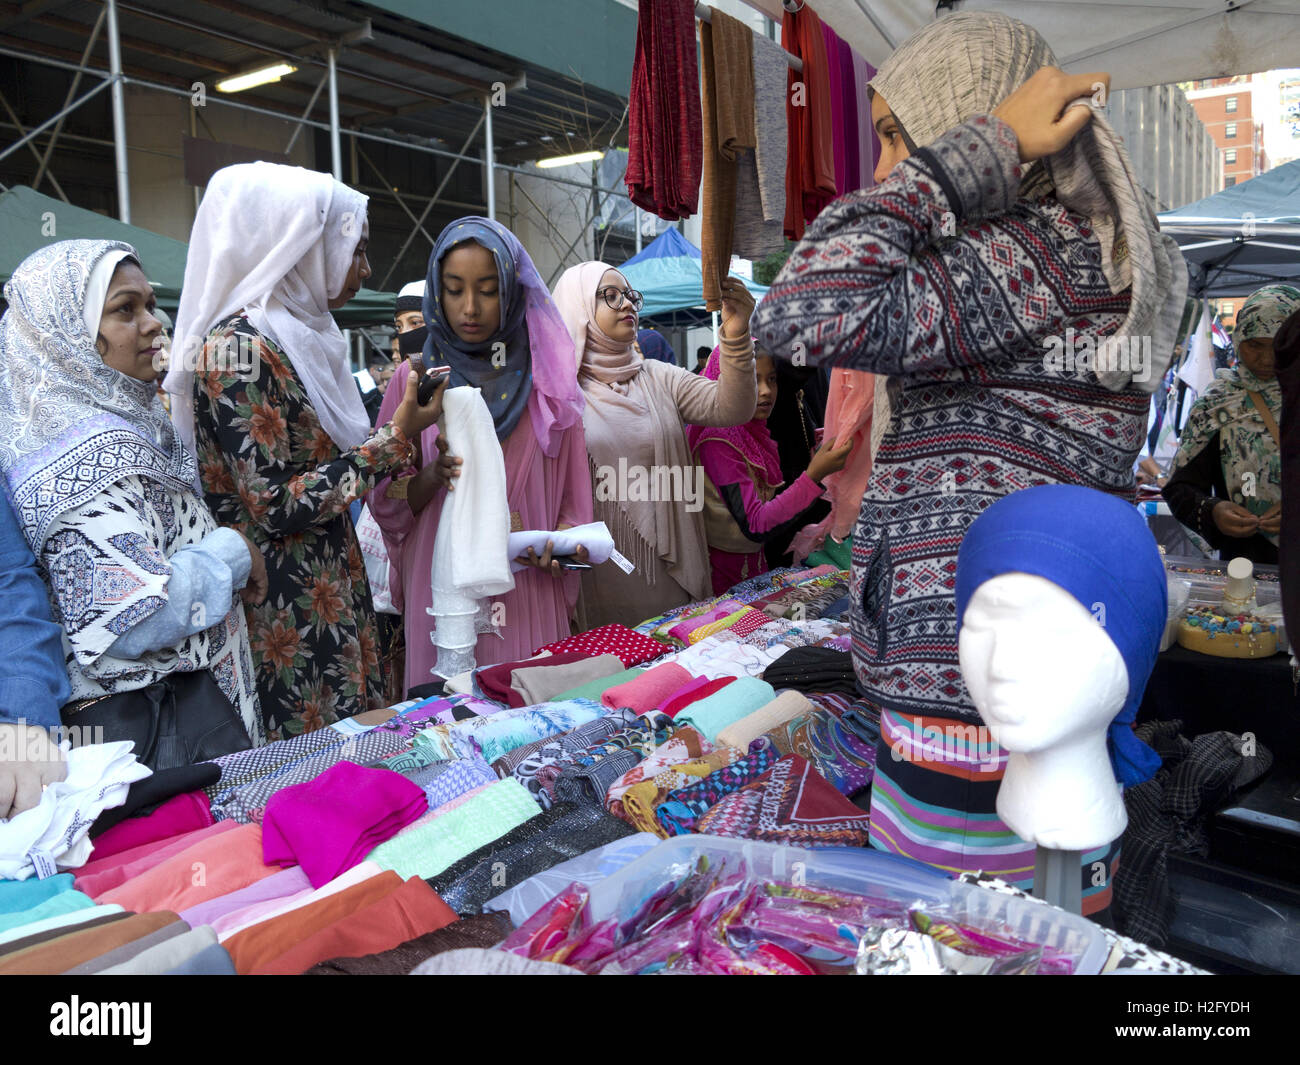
[[1021, 317], [284, 444]]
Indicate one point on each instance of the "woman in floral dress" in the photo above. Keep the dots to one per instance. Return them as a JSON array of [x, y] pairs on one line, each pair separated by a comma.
[[264, 394]]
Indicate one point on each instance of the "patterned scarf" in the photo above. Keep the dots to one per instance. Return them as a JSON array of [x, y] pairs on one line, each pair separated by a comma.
[[69, 424], [685, 745], [539, 770], [791, 803], [838, 739], [681, 811], [641, 800]]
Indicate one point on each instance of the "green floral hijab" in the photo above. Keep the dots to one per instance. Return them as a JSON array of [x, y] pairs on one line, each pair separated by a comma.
[[1252, 465]]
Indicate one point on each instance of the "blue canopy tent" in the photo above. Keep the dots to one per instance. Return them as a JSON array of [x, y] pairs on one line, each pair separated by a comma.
[[667, 272], [1242, 237]]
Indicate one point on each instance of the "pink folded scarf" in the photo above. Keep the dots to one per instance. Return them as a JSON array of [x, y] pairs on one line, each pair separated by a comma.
[[329, 824], [179, 814], [649, 691]]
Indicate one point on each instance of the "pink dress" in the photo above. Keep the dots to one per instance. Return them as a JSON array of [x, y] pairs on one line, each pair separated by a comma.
[[543, 493]]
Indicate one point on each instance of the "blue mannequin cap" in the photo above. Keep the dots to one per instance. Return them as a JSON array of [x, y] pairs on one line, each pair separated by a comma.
[[1099, 550]]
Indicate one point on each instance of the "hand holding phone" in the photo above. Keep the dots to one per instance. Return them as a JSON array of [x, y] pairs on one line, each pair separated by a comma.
[[421, 404], [429, 379]]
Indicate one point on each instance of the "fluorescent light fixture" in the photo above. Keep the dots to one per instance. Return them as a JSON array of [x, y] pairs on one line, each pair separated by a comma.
[[569, 160], [240, 82]]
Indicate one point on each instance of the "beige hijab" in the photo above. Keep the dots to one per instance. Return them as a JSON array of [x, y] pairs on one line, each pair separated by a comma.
[[631, 420], [965, 64]]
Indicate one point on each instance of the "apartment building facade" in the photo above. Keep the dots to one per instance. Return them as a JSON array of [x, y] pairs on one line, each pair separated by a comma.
[[1228, 109]]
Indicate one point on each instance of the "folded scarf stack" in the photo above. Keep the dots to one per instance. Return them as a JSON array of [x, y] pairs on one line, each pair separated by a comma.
[[561, 833], [538, 771], [329, 824], [681, 810], [485, 930], [642, 799], [630, 646], [814, 669], [790, 803]]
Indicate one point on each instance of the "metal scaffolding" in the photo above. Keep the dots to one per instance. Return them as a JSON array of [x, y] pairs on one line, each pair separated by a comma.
[[117, 78]]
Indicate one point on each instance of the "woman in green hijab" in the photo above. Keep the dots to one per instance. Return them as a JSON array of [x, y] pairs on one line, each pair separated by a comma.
[[1227, 482]]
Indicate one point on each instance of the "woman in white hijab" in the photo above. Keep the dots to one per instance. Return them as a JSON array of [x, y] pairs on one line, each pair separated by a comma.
[[279, 429], [647, 487], [140, 577]]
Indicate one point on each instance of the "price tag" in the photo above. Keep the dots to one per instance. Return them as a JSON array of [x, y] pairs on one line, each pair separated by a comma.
[[621, 562]]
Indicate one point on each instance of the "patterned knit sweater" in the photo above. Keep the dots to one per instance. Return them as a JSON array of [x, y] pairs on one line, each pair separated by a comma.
[[942, 278]]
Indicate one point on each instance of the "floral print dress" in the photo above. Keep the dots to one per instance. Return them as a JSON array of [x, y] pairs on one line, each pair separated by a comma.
[[269, 469]]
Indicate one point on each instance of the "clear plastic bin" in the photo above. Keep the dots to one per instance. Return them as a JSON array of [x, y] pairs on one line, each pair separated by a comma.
[[859, 871], [1209, 576]]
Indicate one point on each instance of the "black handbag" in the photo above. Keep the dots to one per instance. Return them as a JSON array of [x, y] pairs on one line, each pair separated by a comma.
[[182, 719]]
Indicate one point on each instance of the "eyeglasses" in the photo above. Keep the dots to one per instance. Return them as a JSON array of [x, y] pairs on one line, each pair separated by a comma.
[[614, 297]]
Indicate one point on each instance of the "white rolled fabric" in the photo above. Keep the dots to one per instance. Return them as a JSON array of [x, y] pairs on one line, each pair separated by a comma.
[[594, 536], [470, 557]]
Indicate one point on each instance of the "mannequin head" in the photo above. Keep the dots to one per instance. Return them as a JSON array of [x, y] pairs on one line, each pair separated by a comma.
[[1040, 669], [1061, 603], [1048, 682], [1098, 552]]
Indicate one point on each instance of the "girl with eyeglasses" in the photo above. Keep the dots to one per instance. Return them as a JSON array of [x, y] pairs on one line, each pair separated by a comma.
[[647, 488]]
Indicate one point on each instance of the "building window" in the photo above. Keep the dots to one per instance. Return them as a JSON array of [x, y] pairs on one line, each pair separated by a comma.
[[1230, 104], [1230, 130], [1230, 155], [1227, 308], [1229, 181]]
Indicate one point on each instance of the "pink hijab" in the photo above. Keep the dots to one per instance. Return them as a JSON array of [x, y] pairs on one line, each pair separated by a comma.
[[752, 439]]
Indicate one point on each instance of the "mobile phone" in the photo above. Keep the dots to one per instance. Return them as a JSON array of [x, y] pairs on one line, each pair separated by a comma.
[[429, 380], [570, 562]]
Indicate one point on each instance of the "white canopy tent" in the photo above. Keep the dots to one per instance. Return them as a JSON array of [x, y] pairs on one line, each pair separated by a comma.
[[1139, 42]]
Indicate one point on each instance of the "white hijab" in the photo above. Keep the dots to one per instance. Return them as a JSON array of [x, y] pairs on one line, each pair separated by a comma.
[[275, 241]]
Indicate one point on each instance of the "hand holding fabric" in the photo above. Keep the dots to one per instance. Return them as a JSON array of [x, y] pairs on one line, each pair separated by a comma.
[[447, 467], [737, 308], [829, 459], [29, 761], [1270, 521], [1041, 111], [1234, 520], [546, 563]]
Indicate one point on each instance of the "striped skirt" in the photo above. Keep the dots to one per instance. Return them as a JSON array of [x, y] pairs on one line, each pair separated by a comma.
[[934, 799]]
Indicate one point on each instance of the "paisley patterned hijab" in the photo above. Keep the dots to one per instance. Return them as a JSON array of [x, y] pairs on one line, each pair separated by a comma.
[[1246, 446], [70, 425]]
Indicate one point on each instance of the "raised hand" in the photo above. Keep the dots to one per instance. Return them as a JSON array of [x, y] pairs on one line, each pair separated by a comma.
[[1040, 114]]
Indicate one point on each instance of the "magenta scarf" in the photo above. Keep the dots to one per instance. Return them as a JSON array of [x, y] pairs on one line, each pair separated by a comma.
[[752, 439]]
